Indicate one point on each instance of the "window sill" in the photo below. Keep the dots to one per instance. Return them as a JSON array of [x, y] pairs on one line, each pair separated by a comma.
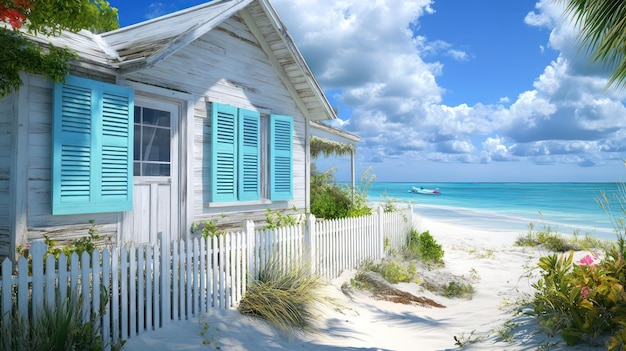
[[238, 203]]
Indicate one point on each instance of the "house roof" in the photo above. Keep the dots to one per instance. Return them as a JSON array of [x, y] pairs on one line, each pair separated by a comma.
[[140, 46], [143, 45]]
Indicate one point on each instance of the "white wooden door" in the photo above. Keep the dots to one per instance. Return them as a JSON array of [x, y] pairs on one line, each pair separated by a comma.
[[156, 174]]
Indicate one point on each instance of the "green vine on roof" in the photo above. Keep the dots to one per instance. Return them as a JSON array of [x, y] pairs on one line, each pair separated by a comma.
[[327, 147], [48, 17], [20, 55]]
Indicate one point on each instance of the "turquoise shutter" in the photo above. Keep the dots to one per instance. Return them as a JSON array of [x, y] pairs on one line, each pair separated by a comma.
[[249, 155], [280, 155], [91, 147], [223, 153]]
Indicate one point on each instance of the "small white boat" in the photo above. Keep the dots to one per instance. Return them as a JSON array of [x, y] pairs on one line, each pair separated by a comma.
[[423, 191]]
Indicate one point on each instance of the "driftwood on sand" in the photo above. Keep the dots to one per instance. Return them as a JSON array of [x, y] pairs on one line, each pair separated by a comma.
[[382, 290]]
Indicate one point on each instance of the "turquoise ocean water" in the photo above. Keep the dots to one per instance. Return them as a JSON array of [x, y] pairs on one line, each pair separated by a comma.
[[566, 207]]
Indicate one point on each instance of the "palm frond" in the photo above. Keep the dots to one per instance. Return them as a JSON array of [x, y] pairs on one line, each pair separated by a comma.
[[602, 26]]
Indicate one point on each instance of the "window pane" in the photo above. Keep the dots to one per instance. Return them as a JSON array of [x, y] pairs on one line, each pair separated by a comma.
[[155, 169], [156, 117], [137, 114], [137, 169], [137, 143], [155, 144]]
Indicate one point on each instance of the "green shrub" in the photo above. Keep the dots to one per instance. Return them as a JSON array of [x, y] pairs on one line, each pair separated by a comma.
[[284, 296], [331, 201], [329, 205], [584, 300], [424, 247]]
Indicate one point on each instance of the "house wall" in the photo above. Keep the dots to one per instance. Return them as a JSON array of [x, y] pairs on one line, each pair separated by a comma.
[[6, 117], [228, 66]]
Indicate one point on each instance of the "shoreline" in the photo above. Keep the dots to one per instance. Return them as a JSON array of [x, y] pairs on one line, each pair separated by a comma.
[[502, 277], [481, 219]]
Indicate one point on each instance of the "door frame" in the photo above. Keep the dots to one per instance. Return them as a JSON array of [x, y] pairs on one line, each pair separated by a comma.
[[184, 157]]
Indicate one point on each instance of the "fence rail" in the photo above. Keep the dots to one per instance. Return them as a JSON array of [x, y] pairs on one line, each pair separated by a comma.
[[143, 288]]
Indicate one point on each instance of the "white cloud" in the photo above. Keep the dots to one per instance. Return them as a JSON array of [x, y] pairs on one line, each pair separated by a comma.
[[366, 51]]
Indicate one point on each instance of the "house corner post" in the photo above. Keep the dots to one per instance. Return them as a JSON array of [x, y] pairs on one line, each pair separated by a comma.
[[309, 243], [251, 249], [381, 235]]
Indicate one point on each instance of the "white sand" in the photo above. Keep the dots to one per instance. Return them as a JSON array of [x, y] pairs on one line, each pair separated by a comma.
[[501, 274]]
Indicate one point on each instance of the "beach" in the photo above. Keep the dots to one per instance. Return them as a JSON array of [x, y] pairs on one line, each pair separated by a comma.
[[501, 273]]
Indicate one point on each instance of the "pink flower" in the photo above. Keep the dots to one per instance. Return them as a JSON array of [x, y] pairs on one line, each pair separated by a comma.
[[585, 291], [586, 261]]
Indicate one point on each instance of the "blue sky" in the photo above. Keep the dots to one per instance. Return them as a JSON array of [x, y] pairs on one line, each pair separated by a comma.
[[467, 90]]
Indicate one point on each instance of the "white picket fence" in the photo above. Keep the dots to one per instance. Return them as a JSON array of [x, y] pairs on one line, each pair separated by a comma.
[[145, 287]]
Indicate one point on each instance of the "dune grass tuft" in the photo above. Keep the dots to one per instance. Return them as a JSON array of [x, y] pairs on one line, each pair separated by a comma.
[[550, 238], [57, 327], [285, 296]]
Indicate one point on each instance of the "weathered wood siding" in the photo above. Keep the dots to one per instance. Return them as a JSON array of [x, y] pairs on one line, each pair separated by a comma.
[[6, 135], [40, 219], [227, 65]]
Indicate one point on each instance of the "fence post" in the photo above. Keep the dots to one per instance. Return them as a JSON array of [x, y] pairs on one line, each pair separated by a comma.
[[250, 243], [37, 250], [381, 234], [411, 224], [166, 288], [309, 243]]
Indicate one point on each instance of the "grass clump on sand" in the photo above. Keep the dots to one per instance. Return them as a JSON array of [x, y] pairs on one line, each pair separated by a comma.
[[553, 241], [453, 289], [56, 327], [285, 296], [392, 270], [424, 247]]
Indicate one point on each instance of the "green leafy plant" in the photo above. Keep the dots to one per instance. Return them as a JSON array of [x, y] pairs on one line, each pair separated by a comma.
[[331, 201], [424, 247], [279, 219], [48, 17], [583, 300], [209, 228], [87, 244]]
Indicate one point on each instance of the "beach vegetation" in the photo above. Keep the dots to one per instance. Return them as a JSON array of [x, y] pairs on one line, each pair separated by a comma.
[[56, 327], [394, 271], [210, 337], [550, 239], [284, 295], [453, 289], [467, 339], [582, 300], [331, 201], [506, 333], [423, 246]]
